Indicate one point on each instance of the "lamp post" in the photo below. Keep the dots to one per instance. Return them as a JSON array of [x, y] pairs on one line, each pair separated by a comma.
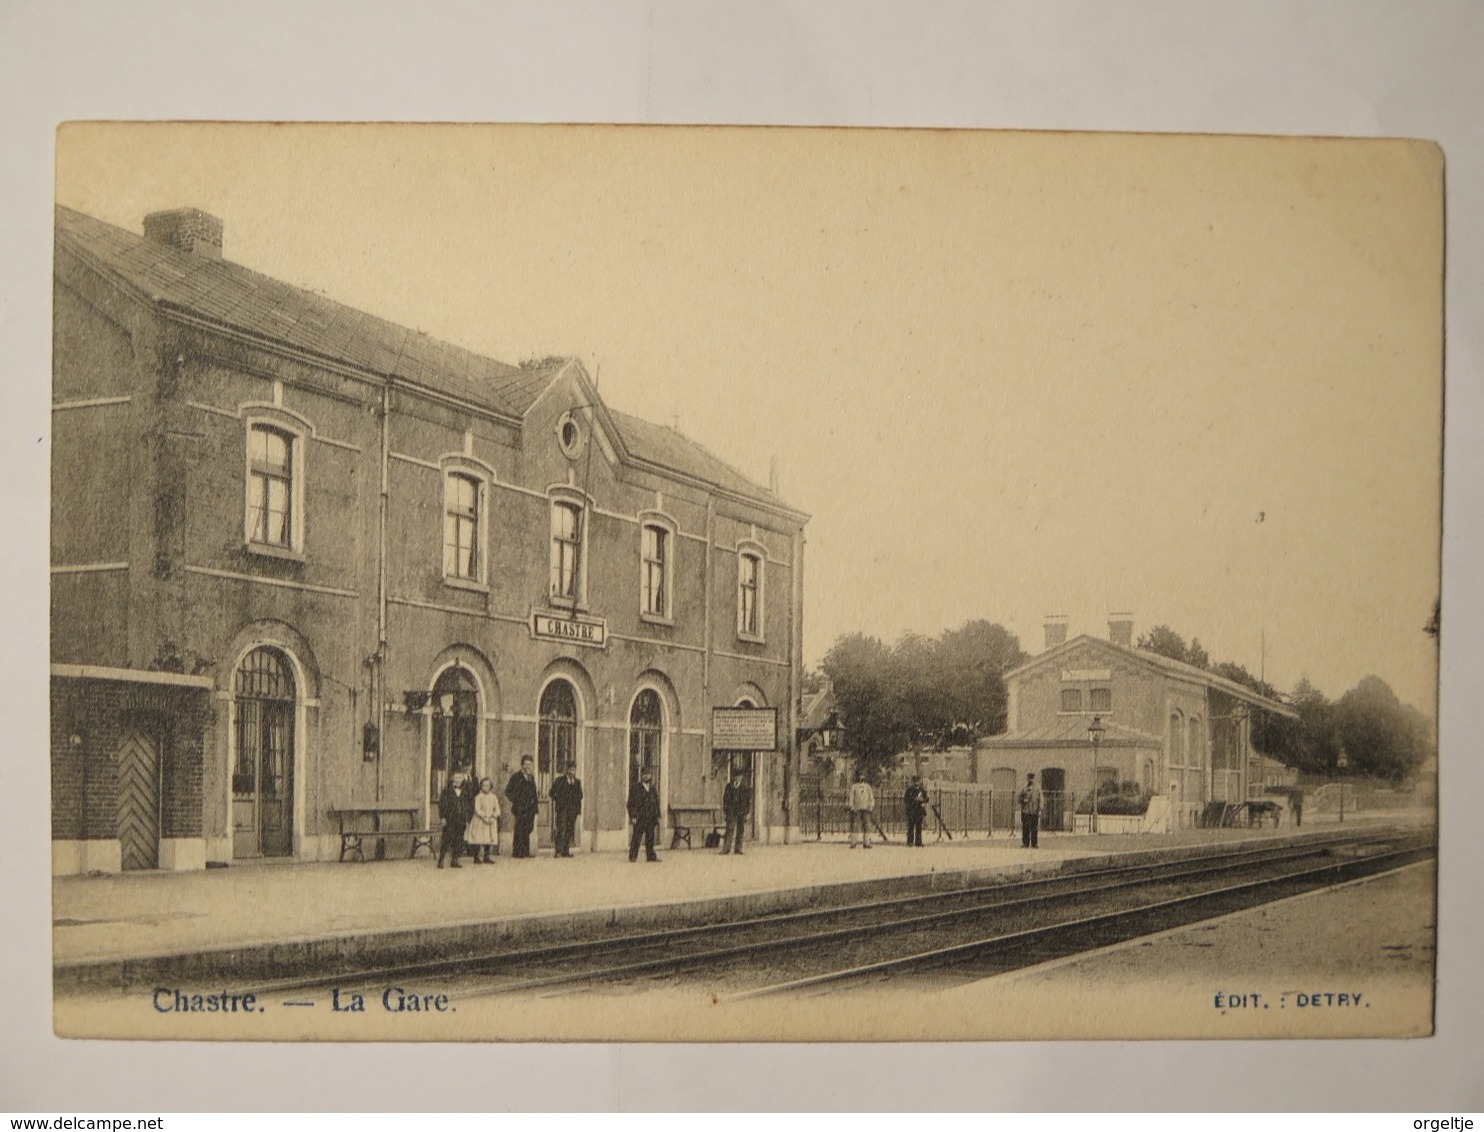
[[1341, 763], [1095, 731]]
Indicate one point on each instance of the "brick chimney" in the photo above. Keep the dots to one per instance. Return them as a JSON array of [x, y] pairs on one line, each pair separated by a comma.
[[188, 229], [1056, 630], [1121, 629]]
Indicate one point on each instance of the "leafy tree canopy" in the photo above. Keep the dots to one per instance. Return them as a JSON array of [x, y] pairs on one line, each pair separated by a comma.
[[922, 692], [1166, 642]]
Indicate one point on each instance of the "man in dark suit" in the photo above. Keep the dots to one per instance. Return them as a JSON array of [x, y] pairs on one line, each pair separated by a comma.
[[524, 801], [452, 817], [736, 804], [915, 802], [644, 812], [566, 804]]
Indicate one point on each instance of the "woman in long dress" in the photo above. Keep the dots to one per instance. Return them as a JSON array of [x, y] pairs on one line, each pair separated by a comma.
[[484, 827]]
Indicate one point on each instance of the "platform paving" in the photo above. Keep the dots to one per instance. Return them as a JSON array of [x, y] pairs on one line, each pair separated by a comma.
[[278, 908]]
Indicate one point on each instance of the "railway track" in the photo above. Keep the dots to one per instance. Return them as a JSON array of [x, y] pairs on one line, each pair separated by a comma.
[[970, 932]]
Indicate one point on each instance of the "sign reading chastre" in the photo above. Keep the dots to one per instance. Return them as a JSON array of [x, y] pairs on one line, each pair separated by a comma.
[[572, 630], [744, 729]]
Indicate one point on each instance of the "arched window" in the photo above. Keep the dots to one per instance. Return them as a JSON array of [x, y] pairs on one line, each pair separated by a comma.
[[1177, 746], [263, 769], [557, 738], [455, 708], [646, 731]]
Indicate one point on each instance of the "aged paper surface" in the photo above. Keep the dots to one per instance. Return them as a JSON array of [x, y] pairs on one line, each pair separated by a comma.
[[998, 376]]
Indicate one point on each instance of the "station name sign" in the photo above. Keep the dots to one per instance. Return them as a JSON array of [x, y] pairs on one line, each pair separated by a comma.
[[579, 630], [1078, 675], [744, 729]]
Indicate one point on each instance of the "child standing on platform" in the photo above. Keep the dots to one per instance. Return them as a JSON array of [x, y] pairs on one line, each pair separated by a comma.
[[484, 826]]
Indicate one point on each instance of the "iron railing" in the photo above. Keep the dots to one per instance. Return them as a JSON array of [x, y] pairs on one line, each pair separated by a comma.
[[965, 811]]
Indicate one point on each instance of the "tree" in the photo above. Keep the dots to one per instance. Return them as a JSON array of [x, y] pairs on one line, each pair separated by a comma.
[[922, 693], [1315, 748], [1272, 734], [1382, 736], [973, 661], [861, 670], [1164, 641]]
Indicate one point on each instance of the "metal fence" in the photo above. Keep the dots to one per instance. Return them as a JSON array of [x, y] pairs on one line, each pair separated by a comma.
[[961, 810]]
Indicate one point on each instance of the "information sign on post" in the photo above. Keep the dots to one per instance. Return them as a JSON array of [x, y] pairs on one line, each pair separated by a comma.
[[744, 729]]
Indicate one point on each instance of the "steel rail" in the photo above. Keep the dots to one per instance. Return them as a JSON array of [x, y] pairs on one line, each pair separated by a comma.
[[1150, 871], [945, 956], [673, 963]]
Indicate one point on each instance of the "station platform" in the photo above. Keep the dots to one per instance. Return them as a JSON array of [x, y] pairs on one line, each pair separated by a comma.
[[257, 919]]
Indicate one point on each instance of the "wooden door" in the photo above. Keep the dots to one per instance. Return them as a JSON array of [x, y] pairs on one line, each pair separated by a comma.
[[139, 802]]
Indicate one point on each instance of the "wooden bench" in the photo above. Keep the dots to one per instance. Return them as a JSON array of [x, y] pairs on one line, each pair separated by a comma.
[[686, 819], [385, 823]]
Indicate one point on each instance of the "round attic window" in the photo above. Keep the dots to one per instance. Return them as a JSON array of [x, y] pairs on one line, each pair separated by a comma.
[[569, 434]]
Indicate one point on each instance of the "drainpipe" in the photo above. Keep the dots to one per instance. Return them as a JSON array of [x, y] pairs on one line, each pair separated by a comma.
[[793, 764], [379, 676], [706, 755]]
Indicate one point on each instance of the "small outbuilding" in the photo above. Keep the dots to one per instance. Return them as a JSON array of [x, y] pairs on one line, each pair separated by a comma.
[[1156, 738]]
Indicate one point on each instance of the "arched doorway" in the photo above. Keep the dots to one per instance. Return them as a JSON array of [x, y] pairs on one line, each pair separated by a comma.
[[646, 737], [454, 704], [556, 745], [264, 699]]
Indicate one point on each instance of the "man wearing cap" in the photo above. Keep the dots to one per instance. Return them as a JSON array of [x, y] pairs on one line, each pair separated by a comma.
[[566, 804], [736, 804], [915, 805], [1030, 813]]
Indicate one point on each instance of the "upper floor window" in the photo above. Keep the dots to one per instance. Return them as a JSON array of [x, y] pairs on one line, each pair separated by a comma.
[[1071, 699], [566, 550], [750, 594], [1101, 699], [462, 528], [654, 577], [273, 488]]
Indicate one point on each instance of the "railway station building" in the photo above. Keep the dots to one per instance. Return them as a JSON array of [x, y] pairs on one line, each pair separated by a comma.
[[305, 560], [1179, 734]]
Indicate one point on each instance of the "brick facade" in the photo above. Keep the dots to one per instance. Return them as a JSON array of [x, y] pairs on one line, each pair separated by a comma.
[[153, 558]]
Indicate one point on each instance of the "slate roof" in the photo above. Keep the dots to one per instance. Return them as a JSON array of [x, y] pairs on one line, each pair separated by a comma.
[[246, 301], [670, 449], [817, 707], [1163, 664]]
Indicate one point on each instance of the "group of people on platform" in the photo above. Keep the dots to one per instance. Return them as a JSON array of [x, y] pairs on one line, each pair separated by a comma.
[[861, 802], [469, 813]]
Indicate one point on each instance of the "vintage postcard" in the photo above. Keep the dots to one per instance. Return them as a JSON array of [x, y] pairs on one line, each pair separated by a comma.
[[519, 583]]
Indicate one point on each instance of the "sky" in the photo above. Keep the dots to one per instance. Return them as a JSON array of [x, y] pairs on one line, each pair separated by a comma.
[[1007, 374]]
